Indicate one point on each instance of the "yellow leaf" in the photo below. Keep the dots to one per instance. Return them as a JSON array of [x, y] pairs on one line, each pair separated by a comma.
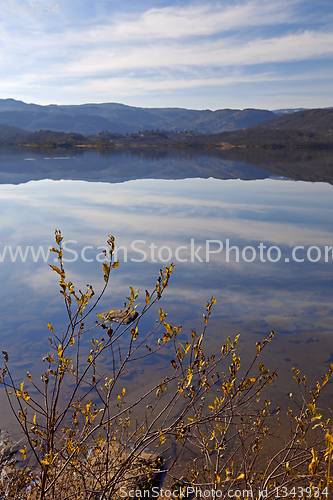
[[318, 416], [56, 269], [24, 452], [162, 314], [106, 269], [162, 438], [314, 462], [26, 396], [228, 474], [329, 443]]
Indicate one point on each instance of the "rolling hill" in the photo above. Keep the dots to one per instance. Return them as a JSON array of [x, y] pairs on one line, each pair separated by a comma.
[[89, 119], [313, 127]]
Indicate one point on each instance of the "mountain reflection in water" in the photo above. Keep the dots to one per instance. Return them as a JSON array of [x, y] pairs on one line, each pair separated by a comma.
[[21, 165]]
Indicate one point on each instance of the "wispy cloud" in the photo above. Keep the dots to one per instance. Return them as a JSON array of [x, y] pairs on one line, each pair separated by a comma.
[[172, 48], [221, 52], [197, 20]]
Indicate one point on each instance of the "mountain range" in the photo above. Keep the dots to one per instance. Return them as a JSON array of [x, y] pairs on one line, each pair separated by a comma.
[[118, 125], [89, 119]]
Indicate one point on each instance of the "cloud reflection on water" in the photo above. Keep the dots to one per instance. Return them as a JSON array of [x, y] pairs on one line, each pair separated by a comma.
[[292, 298]]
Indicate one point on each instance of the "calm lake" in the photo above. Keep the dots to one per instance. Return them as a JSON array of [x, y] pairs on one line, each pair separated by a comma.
[[258, 242]]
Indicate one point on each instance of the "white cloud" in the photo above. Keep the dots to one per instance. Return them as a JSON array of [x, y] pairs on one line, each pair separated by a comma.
[[221, 52], [160, 50], [194, 20], [177, 213], [129, 45], [124, 85]]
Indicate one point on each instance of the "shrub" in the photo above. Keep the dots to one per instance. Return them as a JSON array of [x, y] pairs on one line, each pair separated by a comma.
[[203, 427]]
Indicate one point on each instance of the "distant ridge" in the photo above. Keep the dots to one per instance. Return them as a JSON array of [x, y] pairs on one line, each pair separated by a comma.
[[313, 127], [89, 119], [315, 120], [8, 131]]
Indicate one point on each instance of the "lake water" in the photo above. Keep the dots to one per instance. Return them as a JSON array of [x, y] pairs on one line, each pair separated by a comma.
[[278, 275]]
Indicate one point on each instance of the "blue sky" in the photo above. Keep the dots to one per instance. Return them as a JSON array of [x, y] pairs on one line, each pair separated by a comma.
[[266, 54]]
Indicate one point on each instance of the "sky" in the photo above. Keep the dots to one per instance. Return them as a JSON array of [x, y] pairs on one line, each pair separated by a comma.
[[266, 54]]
